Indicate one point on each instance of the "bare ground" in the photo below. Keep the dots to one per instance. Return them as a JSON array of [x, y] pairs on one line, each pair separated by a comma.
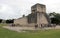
[[20, 29]]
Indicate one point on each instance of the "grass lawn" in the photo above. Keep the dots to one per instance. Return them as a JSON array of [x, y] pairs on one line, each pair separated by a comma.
[[5, 33]]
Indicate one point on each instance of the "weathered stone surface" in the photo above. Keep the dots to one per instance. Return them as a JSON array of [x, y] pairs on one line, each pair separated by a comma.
[[38, 16]]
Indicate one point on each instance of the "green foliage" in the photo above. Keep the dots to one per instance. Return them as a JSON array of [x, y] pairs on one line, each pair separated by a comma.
[[52, 14], [56, 18], [0, 20], [10, 21]]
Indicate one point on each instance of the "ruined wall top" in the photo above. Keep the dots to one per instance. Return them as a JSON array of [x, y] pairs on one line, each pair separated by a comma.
[[38, 8]]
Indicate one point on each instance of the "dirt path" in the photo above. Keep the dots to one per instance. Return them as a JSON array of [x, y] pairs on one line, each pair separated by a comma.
[[20, 29]]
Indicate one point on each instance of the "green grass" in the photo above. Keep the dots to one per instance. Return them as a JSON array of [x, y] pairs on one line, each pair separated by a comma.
[[5, 33], [2, 24]]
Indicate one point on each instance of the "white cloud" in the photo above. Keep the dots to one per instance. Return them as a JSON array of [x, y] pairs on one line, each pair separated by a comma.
[[52, 5]]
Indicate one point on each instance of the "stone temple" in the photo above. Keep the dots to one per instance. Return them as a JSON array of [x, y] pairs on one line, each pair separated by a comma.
[[38, 17]]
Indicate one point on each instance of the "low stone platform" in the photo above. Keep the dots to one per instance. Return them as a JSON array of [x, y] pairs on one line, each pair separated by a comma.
[[18, 29], [21, 29]]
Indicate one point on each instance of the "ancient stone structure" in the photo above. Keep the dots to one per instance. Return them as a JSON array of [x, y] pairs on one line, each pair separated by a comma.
[[37, 17]]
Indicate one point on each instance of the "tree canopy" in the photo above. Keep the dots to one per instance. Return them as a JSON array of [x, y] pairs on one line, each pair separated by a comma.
[[56, 18]]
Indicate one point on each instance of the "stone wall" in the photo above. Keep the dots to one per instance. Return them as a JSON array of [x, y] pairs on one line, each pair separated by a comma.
[[21, 21], [41, 19], [38, 8], [36, 17]]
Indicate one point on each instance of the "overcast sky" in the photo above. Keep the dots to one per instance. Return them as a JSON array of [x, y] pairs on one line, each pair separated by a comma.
[[16, 8]]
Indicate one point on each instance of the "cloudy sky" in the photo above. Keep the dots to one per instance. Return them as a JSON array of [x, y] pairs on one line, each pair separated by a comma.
[[16, 8]]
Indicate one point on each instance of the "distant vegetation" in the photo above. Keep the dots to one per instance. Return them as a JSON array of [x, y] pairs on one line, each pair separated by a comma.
[[10, 21], [0, 20], [7, 21], [55, 18]]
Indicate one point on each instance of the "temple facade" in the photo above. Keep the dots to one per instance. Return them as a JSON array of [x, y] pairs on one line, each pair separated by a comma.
[[38, 17]]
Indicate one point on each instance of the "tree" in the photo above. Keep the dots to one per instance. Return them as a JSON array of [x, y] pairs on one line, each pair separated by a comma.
[[55, 19], [0, 20], [10, 21]]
